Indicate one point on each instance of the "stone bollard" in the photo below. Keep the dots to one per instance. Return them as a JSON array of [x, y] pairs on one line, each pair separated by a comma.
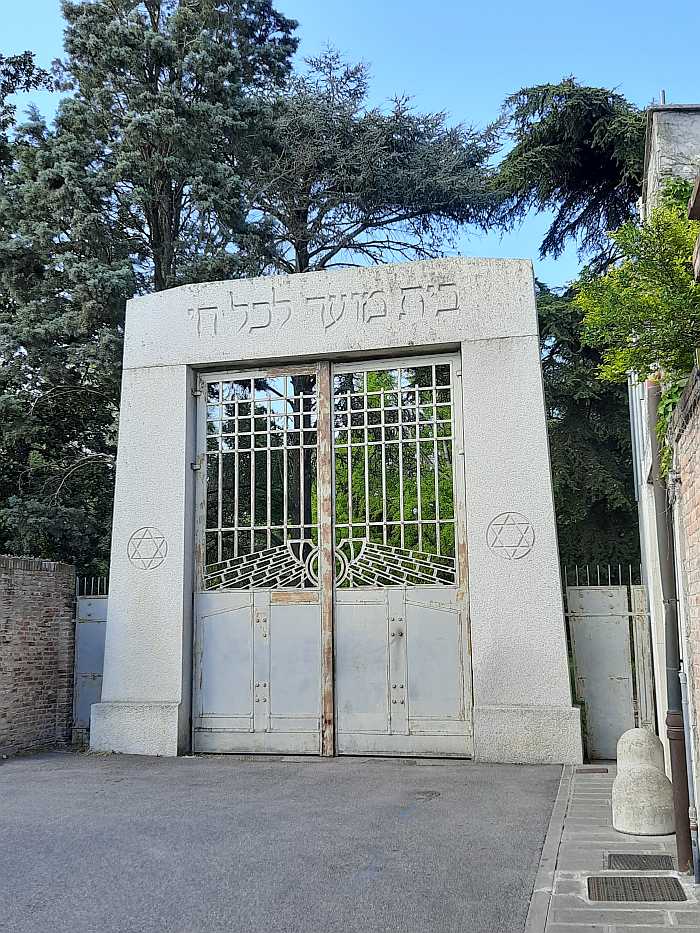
[[638, 748], [642, 796]]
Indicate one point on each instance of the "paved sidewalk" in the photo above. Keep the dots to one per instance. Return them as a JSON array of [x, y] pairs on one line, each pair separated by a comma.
[[579, 848]]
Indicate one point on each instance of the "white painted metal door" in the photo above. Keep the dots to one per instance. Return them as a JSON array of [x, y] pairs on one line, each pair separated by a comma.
[[331, 572], [401, 639], [600, 635]]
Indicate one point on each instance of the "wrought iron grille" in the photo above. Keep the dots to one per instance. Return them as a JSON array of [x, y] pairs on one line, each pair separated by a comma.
[[394, 476], [393, 479], [261, 482]]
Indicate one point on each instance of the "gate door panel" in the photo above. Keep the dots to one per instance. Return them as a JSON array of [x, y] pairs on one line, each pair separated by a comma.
[[401, 651], [257, 685]]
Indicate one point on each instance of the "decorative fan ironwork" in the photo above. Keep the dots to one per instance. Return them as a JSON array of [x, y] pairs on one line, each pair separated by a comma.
[[357, 563]]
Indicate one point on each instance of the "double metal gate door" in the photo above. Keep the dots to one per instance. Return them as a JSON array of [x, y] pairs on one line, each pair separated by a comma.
[[331, 561]]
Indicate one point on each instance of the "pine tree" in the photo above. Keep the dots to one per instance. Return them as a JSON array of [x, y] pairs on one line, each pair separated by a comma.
[[577, 151], [336, 182], [132, 189]]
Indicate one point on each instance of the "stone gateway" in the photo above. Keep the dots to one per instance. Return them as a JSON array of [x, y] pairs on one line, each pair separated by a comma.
[[333, 528]]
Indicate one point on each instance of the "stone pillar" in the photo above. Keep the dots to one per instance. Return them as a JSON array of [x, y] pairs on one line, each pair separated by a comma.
[[147, 672], [522, 696]]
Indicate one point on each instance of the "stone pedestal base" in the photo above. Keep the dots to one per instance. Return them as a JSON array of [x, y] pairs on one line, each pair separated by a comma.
[[134, 728], [528, 734]]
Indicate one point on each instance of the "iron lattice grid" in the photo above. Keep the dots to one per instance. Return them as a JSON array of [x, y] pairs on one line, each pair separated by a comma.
[[394, 512]]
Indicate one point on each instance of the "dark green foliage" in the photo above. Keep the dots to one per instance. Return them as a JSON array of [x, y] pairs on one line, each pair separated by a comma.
[[578, 151], [589, 437], [18, 73], [133, 189], [644, 313], [165, 88], [338, 183]]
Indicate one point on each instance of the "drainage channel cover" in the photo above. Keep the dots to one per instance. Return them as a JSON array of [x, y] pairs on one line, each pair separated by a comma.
[[624, 861], [629, 888]]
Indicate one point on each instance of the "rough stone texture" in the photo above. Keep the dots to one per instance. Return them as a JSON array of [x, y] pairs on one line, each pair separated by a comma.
[[642, 801], [686, 430], [110, 844], [137, 728], [37, 637], [640, 747], [483, 308], [527, 734]]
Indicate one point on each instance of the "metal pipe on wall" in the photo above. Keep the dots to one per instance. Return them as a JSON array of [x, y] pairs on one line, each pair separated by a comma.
[[667, 570]]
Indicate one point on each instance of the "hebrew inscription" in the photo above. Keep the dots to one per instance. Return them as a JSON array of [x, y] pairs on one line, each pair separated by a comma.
[[261, 315], [331, 310]]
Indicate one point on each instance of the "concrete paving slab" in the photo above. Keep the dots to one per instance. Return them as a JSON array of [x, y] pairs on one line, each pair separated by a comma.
[[583, 848], [120, 844]]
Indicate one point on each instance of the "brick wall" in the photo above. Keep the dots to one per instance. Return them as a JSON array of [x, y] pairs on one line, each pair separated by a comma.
[[37, 626], [686, 433]]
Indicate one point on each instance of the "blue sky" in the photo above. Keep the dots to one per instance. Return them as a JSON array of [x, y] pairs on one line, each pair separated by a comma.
[[466, 57]]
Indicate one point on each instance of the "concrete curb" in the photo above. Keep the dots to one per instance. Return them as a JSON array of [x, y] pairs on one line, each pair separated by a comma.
[[538, 910]]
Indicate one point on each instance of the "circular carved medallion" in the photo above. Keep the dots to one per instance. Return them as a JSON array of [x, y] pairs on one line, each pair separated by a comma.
[[511, 534], [147, 548]]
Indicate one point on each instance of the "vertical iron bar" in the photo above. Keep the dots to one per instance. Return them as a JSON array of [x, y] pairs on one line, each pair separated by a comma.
[[268, 477], [365, 418], [399, 448], [436, 480], [325, 539], [383, 451], [348, 409], [236, 465]]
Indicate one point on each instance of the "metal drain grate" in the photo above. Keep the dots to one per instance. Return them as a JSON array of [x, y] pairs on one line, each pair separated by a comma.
[[627, 888], [627, 861]]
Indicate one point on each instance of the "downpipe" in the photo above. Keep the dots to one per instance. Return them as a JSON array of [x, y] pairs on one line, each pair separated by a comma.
[[692, 811]]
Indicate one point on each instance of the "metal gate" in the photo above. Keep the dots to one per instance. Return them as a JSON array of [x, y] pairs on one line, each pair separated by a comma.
[[90, 628], [611, 650], [331, 562]]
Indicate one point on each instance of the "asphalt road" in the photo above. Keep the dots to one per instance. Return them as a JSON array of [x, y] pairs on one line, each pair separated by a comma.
[[120, 844]]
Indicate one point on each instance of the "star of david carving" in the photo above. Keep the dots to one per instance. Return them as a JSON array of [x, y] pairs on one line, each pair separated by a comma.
[[511, 534], [147, 548]]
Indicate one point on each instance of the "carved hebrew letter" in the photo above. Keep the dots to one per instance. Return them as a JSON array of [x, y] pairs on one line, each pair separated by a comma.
[[374, 306], [330, 312], [277, 303], [359, 300], [412, 300], [211, 315], [265, 316], [447, 298], [243, 308]]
